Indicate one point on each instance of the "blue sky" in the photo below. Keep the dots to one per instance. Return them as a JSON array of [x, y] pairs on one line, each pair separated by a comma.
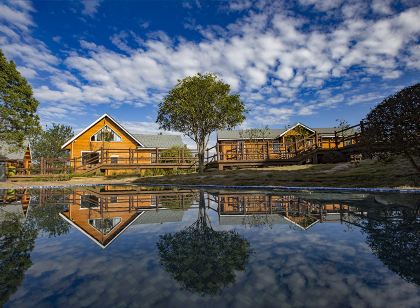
[[308, 61]]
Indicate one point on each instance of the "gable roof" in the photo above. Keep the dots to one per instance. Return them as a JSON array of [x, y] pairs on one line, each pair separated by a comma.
[[7, 153], [96, 121], [159, 141], [294, 126]]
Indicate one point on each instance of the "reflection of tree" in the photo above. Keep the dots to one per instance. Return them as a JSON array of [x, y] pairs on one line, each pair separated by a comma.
[[202, 259], [16, 243], [46, 217], [396, 241]]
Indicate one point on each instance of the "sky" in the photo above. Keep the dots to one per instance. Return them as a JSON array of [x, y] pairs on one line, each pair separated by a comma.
[[305, 61]]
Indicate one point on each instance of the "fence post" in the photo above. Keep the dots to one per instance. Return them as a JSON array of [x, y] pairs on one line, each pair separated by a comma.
[[336, 139], [268, 151]]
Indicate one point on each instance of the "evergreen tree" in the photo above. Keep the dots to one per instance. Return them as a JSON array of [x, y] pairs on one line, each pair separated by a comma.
[[17, 105]]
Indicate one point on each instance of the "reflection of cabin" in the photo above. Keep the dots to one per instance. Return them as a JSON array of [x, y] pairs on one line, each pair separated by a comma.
[[14, 202], [277, 144], [17, 160], [103, 213], [106, 145], [291, 208]]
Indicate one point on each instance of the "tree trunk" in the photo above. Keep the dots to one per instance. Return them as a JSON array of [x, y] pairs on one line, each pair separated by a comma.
[[201, 160]]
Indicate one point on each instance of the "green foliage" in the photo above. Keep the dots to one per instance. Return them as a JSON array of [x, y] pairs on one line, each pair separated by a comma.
[[199, 105], [17, 105], [201, 259], [254, 134], [174, 153], [393, 127], [46, 217], [16, 243], [396, 242], [48, 143]]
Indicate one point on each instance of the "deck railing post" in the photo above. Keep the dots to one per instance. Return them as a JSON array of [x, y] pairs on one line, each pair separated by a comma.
[[336, 139], [157, 155], [268, 151], [218, 151]]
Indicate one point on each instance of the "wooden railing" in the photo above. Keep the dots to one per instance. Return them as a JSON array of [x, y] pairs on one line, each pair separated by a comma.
[[272, 150]]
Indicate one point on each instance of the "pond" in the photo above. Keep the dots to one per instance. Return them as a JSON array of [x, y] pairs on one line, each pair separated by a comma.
[[117, 246]]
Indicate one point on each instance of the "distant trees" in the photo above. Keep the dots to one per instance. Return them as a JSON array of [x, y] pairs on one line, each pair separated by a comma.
[[17, 105], [199, 105], [393, 127], [48, 143]]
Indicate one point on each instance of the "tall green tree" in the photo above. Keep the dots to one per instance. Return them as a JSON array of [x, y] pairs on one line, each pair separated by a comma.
[[48, 143], [17, 105], [393, 127], [199, 105]]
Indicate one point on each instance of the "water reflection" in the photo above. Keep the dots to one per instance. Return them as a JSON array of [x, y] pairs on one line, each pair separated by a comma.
[[17, 238], [201, 259], [104, 213], [202, 241]]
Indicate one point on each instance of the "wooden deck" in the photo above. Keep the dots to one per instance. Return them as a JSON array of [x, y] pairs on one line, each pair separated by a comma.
[[308, 149]]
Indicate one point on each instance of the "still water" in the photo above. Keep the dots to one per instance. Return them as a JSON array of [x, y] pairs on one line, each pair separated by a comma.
[[118, 246]]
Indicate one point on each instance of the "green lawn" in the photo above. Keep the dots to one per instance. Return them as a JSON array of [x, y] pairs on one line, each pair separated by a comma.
[[370, 173]]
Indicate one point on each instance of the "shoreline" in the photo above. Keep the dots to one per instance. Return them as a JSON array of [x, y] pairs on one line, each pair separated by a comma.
[[403, 190]]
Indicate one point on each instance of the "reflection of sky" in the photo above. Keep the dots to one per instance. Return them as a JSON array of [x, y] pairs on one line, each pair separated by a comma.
[[327, 265]]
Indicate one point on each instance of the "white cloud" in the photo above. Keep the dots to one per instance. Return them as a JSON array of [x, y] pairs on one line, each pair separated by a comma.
[[90, 7], [269, 56]]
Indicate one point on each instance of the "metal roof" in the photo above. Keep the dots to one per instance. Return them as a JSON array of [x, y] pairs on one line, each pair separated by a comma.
[[240, 134], [160, 216], [159, 141], [8, 153]]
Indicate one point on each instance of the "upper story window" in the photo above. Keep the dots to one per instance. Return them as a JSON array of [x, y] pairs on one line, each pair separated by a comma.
[[106, 134]]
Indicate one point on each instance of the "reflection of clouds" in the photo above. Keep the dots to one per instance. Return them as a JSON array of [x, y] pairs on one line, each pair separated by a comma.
[[323, 266]]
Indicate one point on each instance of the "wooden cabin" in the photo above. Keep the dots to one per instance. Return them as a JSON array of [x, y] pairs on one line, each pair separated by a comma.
[[276, 144], [17, 161], [107, 146]]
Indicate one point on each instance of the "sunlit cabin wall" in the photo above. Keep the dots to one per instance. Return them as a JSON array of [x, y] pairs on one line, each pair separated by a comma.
[[83, 143], [121, 206]]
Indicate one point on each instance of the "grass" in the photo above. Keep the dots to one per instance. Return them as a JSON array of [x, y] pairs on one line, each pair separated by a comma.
[[370, 173]]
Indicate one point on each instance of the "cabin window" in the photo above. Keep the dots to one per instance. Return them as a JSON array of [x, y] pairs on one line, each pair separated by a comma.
[[114, 159], [276, 147], [113, 199], [88, 201], [104, 225], [106, 134]]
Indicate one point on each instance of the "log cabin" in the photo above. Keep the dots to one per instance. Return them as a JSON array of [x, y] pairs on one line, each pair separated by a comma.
[[16, 160], [107, 146], [277, 144]]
